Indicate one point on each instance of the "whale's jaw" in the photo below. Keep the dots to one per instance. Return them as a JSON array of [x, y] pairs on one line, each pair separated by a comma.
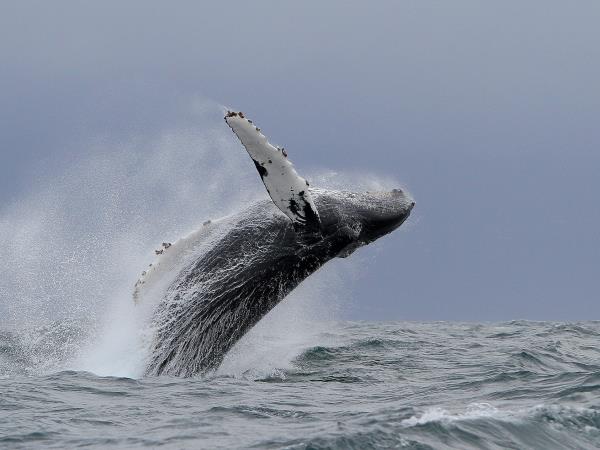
[[369, 215], [386, 212]]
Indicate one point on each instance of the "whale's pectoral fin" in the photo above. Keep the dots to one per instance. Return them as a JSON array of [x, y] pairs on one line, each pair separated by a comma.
[[288, 190]]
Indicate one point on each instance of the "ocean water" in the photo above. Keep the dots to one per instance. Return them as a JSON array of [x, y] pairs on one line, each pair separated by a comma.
[[438, 385], [73, 344]]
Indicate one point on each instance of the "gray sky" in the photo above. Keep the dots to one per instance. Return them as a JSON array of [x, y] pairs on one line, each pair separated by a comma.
[[486, 111]]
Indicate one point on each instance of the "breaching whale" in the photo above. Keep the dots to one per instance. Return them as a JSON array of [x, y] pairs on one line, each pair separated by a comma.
[[254, 260]]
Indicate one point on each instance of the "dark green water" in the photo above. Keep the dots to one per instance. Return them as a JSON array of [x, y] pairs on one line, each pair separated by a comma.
[[514, 385]]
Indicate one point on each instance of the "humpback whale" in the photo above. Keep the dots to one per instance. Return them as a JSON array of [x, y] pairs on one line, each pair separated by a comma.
[[255, 257]]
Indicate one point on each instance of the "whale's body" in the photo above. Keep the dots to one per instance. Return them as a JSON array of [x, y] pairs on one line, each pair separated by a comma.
[[263, 254]]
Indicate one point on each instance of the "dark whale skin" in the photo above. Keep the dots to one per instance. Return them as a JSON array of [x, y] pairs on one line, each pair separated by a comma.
[[263, 257]]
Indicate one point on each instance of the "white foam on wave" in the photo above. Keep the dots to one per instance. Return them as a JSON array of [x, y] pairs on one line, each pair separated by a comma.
[[473, 411], [556, 415]]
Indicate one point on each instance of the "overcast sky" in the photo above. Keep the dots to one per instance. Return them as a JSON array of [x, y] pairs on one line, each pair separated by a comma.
[[488, 112]]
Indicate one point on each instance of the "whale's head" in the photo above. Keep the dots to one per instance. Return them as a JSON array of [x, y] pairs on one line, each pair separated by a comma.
[[362, 217]]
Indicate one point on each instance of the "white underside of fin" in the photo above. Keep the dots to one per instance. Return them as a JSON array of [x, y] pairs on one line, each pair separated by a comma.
[[170, 258], [288, 190]]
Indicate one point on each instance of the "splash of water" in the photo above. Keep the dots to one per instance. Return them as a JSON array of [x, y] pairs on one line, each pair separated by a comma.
[[79, 238]]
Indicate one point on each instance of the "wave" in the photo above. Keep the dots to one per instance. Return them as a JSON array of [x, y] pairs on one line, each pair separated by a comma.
[[478, 426], [486, 426], [332, 384]]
